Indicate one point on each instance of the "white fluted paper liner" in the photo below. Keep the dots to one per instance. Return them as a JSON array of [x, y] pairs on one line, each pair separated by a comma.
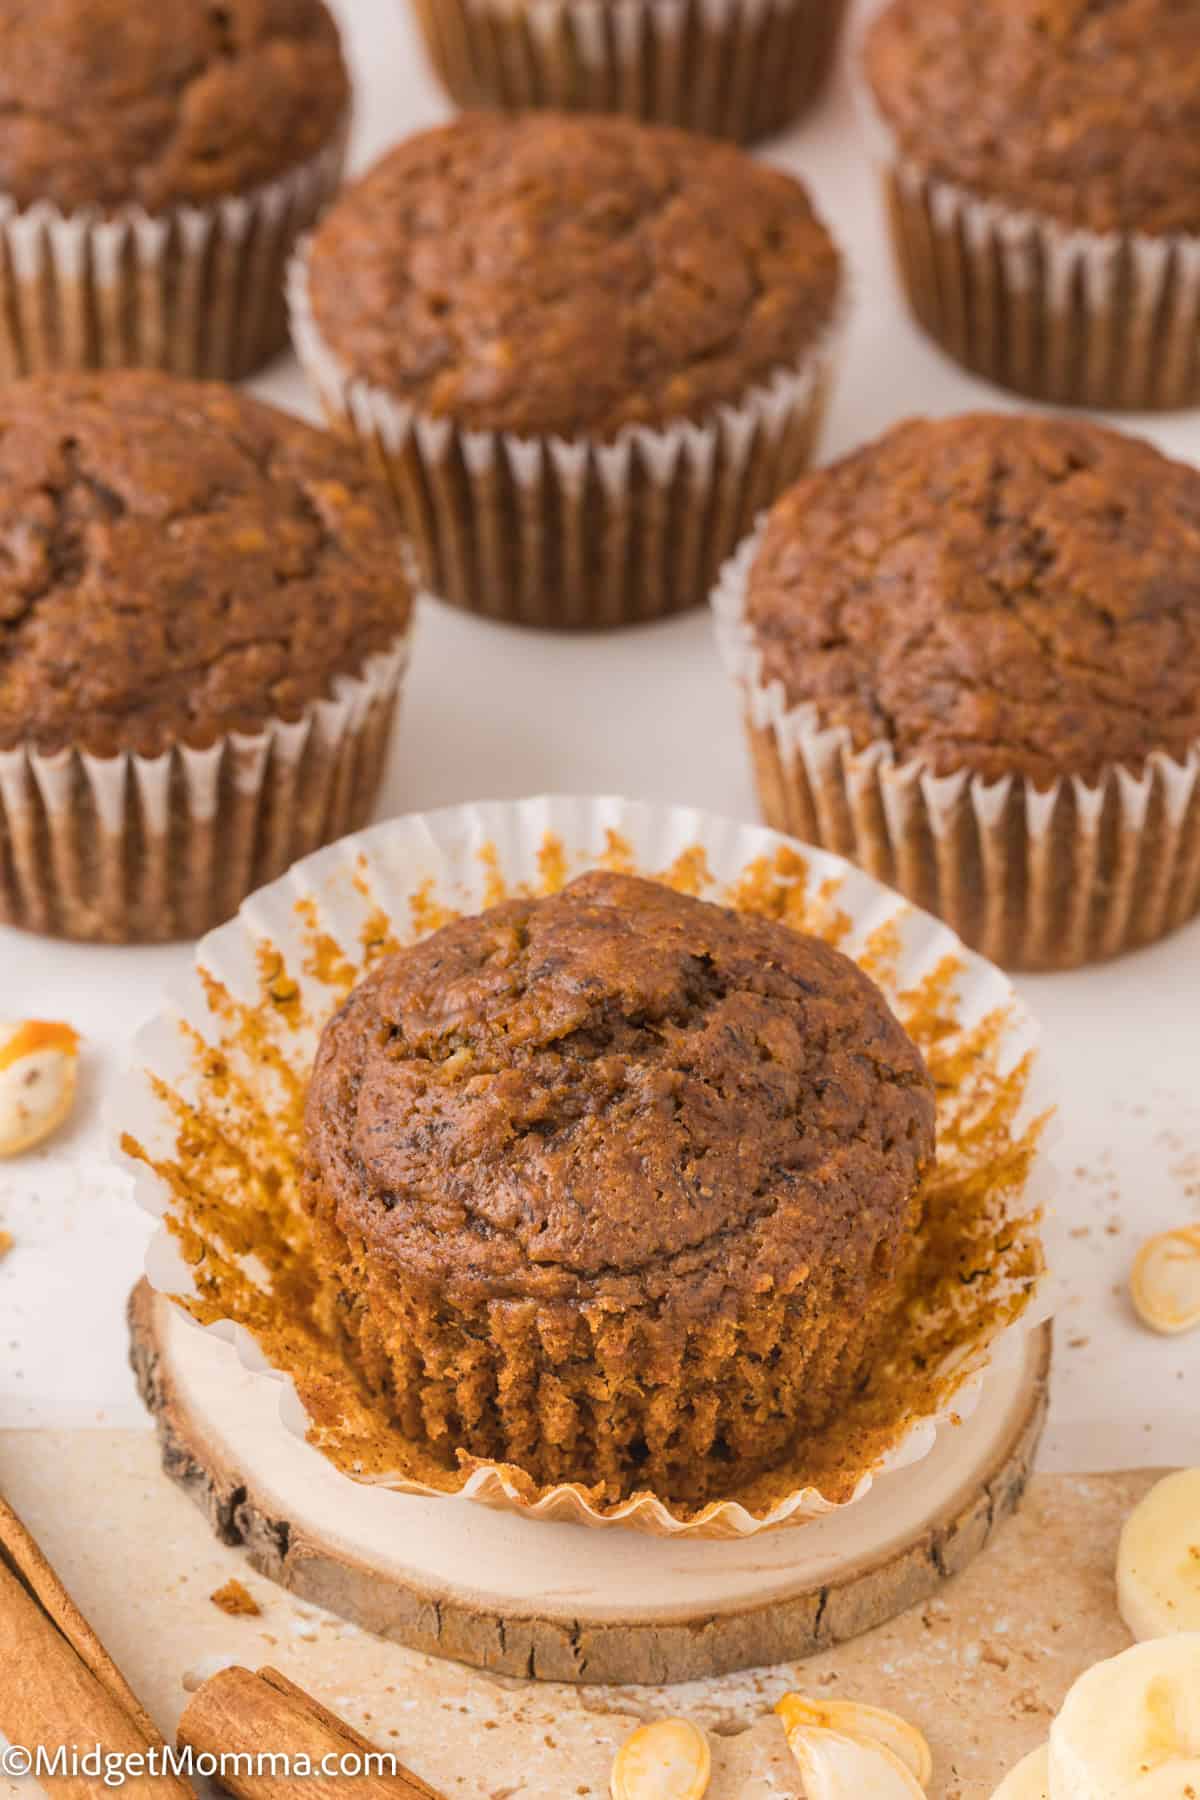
[[1079, 318], [196, 290], [563, 532], [394, 874], [1034, 879], [739, 69], [132, 848]]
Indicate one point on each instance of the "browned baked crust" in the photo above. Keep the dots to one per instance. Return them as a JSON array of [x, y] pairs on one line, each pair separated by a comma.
[[549, 274], [1001, 594], [617, 1184], [1088, 113], [113, 102], [178, 561]]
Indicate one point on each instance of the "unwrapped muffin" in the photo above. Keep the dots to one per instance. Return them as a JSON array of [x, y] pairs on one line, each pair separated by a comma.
[[157, 163], [730, 68], [1042, 169], [616, 1185], [202, 632], [584, 352], [970, 659]]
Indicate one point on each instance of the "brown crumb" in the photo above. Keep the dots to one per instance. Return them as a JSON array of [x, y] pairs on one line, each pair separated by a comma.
[[1078, 1343], [236, 1600], [988, 1653]]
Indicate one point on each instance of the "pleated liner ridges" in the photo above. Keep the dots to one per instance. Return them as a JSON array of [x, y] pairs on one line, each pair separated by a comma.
[[1071, 317], [556, 533], [135, 849], [737, 69], [1032, 880], [195, 290]]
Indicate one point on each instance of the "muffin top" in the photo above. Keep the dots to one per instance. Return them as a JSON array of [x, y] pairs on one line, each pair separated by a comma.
[[617, 1092], [178, 561], [1085, 110], [106, 103], [545, 274], [1001, 594]]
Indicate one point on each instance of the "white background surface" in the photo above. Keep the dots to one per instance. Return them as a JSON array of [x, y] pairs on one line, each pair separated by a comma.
[[496, 712]]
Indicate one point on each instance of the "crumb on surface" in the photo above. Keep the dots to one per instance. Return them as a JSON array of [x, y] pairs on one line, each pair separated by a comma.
[[236, 1600]]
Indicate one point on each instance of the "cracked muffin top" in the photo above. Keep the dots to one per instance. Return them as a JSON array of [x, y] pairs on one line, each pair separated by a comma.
[[619, 1094], [178, 561], [106, 103], [995, 593], [545, 274], [1085, 110]]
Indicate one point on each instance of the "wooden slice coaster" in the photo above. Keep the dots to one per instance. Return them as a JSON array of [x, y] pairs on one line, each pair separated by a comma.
[[560, 1602]]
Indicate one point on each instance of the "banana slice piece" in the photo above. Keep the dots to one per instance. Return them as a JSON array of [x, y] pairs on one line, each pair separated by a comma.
[[1030, 1780], [1158, 1560], [1126, 1720], [38, 1060], [834, 1766], [1174, 1781], [1164, 1283], [870, 1724], [668, 1759]]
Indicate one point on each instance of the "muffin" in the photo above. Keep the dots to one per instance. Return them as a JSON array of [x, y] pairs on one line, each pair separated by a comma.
[[1046, 213], [735, 69], [618, 1185], [203, 631], [970, 659], [585, 352], [156, 166]]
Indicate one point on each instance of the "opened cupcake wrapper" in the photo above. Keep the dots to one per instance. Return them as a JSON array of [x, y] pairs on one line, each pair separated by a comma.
[[738, 69], [133, 848], [1074, 317], [209, 1121], [195, 290], [551, 532], [1032, 878]]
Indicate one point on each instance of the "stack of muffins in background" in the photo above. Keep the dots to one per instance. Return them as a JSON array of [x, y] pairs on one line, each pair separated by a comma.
[[569, 358], [582, 353]]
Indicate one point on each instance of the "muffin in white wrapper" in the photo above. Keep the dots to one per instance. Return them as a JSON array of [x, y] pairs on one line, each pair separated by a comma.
[[210, 1121], [634, 529], [1032, 876], [583, 351], [1065, 314]]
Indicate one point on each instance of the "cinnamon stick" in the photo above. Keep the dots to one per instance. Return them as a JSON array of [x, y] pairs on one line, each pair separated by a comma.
[[240, 1715], [59, 1688]]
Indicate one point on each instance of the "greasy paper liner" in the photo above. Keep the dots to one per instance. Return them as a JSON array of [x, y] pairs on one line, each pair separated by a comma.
[[1031, 878], [137, 849], [194, 290], [559, 533], [1078, 318], [740, 69], [209, 1120]]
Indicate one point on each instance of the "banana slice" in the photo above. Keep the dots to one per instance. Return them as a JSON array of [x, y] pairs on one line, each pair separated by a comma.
[[1158, 1561], [1131, 1718], [38, 1060], [834, 1766], [666, 1760], [1030, 1780], [870, 1724], [1164, 1283]]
